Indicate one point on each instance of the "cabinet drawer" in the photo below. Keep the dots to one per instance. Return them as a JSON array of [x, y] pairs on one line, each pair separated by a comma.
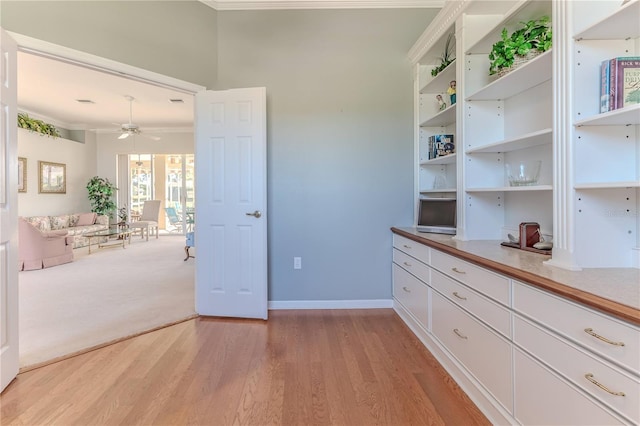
[[493, 285], [484, 353], [493, 314], [412, 294], [574, 363], [543, 398], [576, 322], [417, 250], [412, 265]]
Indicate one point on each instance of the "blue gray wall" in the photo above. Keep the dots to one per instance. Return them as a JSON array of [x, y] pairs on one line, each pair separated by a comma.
[[340, 102], [340, 105], [174, 38]]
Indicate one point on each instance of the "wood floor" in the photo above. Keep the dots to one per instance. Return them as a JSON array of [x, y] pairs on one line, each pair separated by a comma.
[[338, 367]]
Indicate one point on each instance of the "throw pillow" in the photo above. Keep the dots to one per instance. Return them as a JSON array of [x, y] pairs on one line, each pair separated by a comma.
[[86, 219], [41, 222], [59, 222]]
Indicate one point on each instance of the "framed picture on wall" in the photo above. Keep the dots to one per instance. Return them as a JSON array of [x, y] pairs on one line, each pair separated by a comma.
[[22, 174], [52, 178]]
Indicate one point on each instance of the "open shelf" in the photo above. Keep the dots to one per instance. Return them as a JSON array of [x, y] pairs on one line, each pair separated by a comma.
[[437, 191], [446, 159], [623, 24], [440, 83], [620, 117], [443, 118], [540, 137], [512, 189], [523, 11], [534, 72], [605, 185]]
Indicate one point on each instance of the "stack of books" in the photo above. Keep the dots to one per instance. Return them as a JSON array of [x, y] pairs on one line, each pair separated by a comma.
[[619, 83], [441, 145]]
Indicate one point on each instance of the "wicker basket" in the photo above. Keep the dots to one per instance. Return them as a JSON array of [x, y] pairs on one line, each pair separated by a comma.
[[519, 61]]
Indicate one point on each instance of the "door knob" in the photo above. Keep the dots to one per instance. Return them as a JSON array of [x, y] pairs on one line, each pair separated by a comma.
[[255, 214]]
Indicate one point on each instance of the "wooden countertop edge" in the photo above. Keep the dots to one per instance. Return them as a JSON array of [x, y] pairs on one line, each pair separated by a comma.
[[623, 312]]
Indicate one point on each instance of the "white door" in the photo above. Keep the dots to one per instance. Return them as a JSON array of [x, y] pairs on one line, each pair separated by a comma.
[[8, 211], [231, 212]]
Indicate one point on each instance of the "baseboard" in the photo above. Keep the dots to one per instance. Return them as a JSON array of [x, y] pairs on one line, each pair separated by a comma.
[[331, 304]]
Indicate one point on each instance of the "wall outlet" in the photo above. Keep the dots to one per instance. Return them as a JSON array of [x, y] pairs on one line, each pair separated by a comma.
[[297, 263]]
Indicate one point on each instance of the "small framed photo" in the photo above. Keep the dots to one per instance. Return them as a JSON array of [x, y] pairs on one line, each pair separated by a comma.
[[22, 174], [52, 178]]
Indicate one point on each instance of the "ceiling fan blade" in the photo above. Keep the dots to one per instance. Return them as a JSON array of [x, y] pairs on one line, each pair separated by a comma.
[[123, 136], [155, 138]]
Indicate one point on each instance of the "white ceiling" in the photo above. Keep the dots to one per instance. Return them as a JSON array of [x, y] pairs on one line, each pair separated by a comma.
[[49, 89], [318, 4]]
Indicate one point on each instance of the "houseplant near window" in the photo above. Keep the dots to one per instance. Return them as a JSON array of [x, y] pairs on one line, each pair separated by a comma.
[[531, 39], [101, 193]]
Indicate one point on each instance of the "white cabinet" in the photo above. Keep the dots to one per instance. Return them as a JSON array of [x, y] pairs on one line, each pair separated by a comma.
[[522, 354], [547, 110], [556, 401]]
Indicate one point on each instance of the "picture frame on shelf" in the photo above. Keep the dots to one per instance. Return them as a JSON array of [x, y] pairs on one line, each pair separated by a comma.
[[22, 174], [52, 178]]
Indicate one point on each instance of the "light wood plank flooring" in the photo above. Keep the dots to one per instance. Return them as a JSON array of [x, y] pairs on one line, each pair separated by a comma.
[[339, 367]]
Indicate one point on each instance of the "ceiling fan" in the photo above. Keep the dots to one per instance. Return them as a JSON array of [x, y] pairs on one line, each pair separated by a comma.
[[131, 128]]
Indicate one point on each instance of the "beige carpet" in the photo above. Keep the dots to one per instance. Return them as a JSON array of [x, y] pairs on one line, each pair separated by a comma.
[[101, 297]]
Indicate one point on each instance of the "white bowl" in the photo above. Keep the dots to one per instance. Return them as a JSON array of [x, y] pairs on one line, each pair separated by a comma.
[[523, 173]]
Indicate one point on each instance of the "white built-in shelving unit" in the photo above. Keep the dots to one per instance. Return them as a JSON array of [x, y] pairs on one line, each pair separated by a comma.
[[546, 110]]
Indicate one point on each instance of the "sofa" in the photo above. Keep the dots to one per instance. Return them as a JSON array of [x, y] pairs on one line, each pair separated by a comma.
[[77, 225], [38, 249]]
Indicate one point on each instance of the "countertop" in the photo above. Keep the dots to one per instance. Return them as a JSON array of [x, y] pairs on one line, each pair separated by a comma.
[[615, 291]]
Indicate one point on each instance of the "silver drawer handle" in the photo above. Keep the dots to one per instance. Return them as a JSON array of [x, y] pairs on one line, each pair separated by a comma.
[[462, 336], [455, 293], [458, 271], [590, 378], [406, 289], [590, 332], [407, 264], [406, 246]]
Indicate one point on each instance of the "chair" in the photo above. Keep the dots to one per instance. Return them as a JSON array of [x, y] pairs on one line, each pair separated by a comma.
[[174, 219], [38, 250], [149, 218]]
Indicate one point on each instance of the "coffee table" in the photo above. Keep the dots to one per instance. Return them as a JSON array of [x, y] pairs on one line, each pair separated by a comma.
[[123, 234]]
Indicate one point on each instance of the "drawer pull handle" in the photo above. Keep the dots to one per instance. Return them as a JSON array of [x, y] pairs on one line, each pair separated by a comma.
[[460, 335], [590, 378], [407, 247], [407, 264], [590, 332], [455, 293], [458, 271], [406, 289]]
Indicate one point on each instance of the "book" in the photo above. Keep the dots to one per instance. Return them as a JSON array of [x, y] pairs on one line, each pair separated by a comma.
[[441, 145], [627, 81], [604, 86], [612, 84]]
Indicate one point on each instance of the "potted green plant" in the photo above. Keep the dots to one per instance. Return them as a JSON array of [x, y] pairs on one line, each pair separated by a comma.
[[38, 126], [101, 193], [446, 58], [531, 39]]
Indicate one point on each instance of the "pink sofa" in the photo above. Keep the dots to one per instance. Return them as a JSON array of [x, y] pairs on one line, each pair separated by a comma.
[[37, 249]]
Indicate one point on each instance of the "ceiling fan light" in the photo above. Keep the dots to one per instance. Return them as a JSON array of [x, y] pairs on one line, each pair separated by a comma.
[[123, 136]]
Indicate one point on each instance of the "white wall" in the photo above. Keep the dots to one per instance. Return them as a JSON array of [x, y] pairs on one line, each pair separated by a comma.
[[80, 160]]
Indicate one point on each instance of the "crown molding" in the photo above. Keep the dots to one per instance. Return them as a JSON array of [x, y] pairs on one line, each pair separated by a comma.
[[222, 5]]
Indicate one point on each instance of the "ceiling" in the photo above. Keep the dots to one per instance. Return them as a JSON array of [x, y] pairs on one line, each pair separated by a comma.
[[318, 4], [49, 89]]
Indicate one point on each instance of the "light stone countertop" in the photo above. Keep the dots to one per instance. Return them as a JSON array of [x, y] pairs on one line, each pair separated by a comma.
[[592, 286]]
